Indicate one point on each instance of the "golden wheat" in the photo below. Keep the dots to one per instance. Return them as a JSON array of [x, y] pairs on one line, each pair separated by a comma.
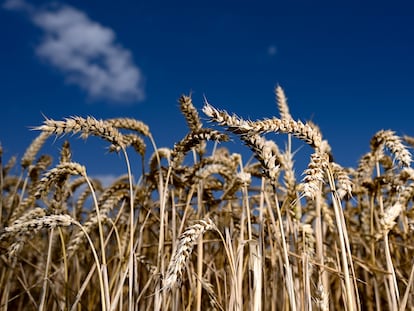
[[338, 239]]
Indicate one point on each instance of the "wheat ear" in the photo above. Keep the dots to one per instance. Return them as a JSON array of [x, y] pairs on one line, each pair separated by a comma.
[[87, 127], [192, 140], [130, 124], [20, 230], [33, 149], [183, 251], [282, 104], [388, 139], [63, 169], [132, 140], [315, 174], [237, 125], [190, 113], [266, 152]]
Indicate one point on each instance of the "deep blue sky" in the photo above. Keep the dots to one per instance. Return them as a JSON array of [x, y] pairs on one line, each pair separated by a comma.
[[347, 66]]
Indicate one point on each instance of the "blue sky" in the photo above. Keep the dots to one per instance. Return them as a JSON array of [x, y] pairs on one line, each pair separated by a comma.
[[347, 66]]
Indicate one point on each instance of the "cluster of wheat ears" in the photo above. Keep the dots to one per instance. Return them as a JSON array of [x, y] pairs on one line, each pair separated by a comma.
[[202, 228]]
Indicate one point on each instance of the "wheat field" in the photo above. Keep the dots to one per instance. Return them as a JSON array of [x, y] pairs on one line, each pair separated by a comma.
[[202, 227]]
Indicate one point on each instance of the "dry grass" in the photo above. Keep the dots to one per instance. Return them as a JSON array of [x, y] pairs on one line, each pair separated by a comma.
[[202, 228]]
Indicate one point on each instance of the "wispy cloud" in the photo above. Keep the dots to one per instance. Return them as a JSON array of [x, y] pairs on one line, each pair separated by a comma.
[[272, 50], [106, 179], [85, 51]]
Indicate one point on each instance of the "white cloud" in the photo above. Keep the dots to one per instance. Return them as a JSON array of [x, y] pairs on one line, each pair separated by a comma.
[[85, 51]]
